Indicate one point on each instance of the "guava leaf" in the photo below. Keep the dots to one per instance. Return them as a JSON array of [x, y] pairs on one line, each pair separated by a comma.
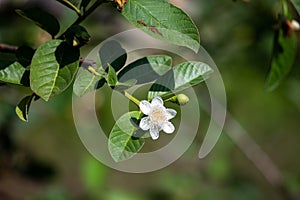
[[11, 72], [146, 69], [181, 77], [53, 68], [163, 21], [22, 108], [122, 145], [42, 19], [112, 53], [284, 53]]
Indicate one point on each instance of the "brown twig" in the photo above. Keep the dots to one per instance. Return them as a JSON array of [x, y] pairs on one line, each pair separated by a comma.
[[255, 154], [6, 48]]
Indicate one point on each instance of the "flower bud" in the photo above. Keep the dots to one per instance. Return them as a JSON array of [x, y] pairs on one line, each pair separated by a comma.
[[180, 99]]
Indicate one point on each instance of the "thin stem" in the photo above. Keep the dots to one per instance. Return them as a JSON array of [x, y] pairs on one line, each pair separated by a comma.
[[131, 98], [86, 13], [89, 11], [70, 5], [172, 99], [6, 48], [284, 6]]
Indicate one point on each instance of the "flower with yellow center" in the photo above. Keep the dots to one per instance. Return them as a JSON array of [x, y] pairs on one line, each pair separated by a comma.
[[158, 117]]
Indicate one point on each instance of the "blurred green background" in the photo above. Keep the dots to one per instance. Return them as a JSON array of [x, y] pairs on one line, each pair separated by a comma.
[[45, 159]]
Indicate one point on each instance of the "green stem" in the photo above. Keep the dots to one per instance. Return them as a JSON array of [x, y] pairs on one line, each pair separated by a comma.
[[284, 6], [173, 98], [89, 11], [70, 5], [86, 13], [131, 98]]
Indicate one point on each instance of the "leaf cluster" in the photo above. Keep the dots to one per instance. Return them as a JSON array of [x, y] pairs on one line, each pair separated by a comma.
[[52, 67]]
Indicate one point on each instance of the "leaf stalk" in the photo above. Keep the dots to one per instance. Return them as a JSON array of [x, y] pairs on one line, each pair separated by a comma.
[[131, 98]]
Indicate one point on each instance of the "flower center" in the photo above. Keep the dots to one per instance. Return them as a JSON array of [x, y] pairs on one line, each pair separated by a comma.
[[157, 115]]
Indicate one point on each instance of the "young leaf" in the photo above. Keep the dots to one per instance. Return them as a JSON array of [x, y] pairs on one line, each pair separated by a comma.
[[22, 108], [41, 18], [164, 21], [121, 145], [181, 77], [112, 78], [284, 53], [77, 35], [53, 67], [146, 69], [112, 53], [11, 72]]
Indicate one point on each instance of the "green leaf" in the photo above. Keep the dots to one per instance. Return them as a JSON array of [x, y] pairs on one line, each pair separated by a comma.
[[22, 108], [146, 69], [122, 86], [284, 53], [11, 72], [87, 79], [41, 18], [112, 78], [112, 53], [181, 77], [121, 145], [296, 4], [53, 68], [164, 21], [77, 35]]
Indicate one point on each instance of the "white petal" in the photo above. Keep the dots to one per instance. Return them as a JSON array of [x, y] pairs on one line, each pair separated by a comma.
[[171, 113], [145, 123], [145, 107], [168, 127], [154, 133], [157, 101]]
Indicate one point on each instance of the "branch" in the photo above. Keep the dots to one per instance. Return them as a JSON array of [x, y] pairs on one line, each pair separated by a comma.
[[5, 48], [70, 5], [255, 154], [86, 13], [89, 11]]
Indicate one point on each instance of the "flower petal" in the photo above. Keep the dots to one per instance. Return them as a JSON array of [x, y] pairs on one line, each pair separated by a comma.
[[145, 123], [157, 101], [168, 127], [145, 107], [154, 132], [171, 113]]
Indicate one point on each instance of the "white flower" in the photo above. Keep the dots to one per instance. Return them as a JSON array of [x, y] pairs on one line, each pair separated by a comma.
[[158, 117]]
